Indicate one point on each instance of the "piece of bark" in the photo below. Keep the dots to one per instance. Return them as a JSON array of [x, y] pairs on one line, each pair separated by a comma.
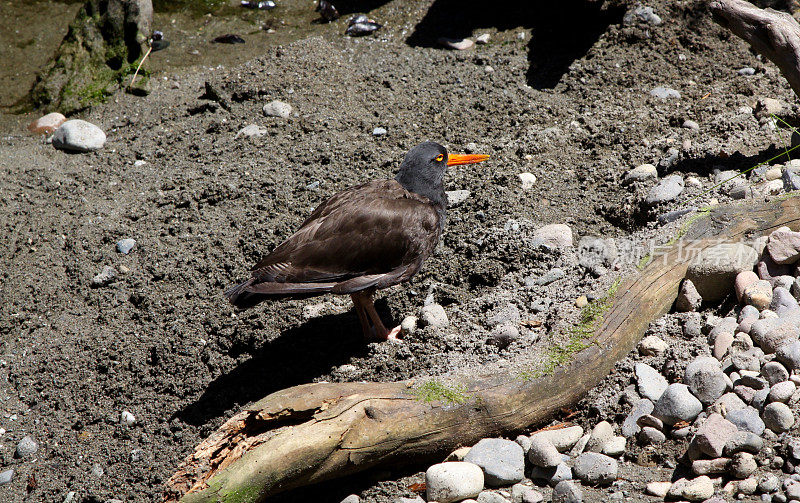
[[315, 432], [771, 33]]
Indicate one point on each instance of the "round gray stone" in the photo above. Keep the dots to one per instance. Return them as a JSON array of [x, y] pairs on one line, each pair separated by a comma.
[[77, 135], [567, 491], [778, 417], [26, 447], [677, 404], [502, 461], [705, 379], [595, 469]]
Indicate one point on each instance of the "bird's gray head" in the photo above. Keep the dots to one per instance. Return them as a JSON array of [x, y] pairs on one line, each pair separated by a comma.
[[422, 171]]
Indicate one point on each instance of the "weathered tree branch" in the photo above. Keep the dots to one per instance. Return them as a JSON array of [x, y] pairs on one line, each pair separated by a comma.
[[316, 432], [774, 34]]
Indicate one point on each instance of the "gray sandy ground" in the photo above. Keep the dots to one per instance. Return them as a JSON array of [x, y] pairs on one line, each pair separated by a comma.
[[161, 341]]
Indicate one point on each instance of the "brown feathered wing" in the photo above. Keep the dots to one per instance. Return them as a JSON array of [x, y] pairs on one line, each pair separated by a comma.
[[372, 235]]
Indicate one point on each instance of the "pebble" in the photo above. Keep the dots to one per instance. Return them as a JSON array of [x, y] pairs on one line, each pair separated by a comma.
[[490, 497], [747, 486], [483, 38], [643, 14], [768, 483], [705, 379], [715, 268], [580, 445], [659, 489], [277, 108], [502, 461], [47, 124], [789, 354], [758, 295], [567, 491], [528, 180], [543, 453], [698, 489], [640, 173], [652, 345], [778, 417], [782, 391], [773, 175], [710, 466], [453, 481], [774, 372], [252, 131], [353, 498], [106, 276], [124, 246], [26, 447], [456, 197], [379, 131], [677, 404], [601, 434], [457, 44], [77, 135], [746, 71], [558, 236], [550, 276], [668, 189], [650, 383], [458, 454], [742, 465], [665, 92], [433, 315], [651, 436], [688, 298], [782, 300], [127, 418], [746, 419], [690, 124], [561, 438], [743, 280], [409, 324], [784, 246], [614, 447], [6, 476], [595, 469], [640, 408], [713, 435], [743, 441], [552, 475], [97, 471]]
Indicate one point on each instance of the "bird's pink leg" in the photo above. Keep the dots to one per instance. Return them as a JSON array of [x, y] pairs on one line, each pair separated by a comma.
[[358, 304], [377, 332]]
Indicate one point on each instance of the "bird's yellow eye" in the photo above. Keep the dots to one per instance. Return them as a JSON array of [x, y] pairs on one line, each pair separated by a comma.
[[440, 158]]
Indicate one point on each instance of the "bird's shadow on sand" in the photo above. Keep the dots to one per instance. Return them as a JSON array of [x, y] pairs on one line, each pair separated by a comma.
[[297, 356], [561, 32]]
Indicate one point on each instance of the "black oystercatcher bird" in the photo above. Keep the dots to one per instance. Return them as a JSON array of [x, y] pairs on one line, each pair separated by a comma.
[[370, 236]]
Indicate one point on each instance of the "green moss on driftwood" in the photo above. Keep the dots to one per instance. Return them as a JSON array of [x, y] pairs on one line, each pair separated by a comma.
[[433, 390], [580, 335]]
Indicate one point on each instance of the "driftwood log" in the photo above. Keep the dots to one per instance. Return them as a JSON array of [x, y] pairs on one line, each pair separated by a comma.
[[771, 33], [315, 432]]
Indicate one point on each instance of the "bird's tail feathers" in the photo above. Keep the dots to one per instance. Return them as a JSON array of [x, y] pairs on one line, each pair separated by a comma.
[[249, 293]]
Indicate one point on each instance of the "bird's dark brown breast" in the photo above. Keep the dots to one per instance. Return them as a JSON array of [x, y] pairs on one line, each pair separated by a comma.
[[374, 228]]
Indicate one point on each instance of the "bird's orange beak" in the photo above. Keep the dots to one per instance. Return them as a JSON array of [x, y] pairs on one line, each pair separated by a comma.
[[459, 159]]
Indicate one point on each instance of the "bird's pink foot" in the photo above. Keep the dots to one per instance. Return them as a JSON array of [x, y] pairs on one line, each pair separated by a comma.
[[394, 335]]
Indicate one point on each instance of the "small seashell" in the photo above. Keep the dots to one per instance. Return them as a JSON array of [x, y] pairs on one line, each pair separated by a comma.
[[267, 5], [361, 25], [327, 10], [230, 38]]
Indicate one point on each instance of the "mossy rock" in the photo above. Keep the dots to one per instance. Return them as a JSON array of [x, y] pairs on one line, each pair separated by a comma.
[[104, 44]]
